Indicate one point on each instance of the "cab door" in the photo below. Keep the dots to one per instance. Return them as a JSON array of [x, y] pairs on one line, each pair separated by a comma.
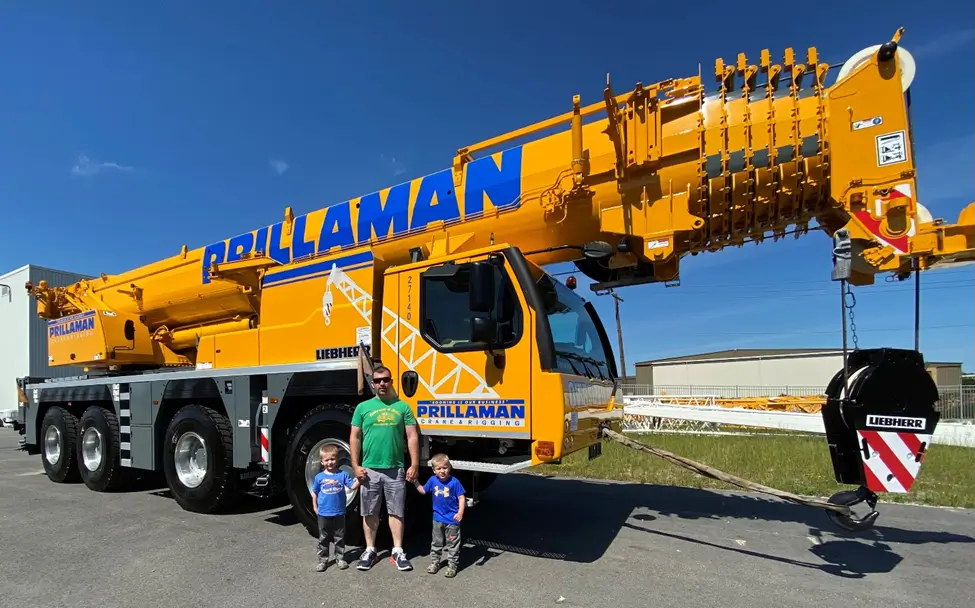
[[465, 349]]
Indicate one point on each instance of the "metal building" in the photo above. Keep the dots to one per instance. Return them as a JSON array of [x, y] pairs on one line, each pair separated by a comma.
[[756, 372], [24, 351]]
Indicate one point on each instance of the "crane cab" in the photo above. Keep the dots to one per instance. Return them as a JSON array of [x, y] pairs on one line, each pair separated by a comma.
[[494, 354]]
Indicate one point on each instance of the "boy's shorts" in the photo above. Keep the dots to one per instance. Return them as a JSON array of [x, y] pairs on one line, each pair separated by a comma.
[[383, 483]]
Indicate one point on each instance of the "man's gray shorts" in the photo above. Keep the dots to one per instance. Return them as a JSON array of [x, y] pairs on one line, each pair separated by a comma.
[[383, 483]]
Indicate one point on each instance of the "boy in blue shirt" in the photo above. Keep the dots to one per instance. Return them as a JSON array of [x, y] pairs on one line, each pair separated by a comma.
[[328, 494], [448, 511]]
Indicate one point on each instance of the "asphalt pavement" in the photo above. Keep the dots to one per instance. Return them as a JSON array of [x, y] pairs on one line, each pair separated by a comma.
[[533, 541]]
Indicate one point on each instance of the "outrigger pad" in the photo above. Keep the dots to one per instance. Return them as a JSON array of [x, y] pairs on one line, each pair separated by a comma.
[[880, 428]]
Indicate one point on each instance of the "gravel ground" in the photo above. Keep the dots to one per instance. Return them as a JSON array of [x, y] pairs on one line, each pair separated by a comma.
[[604, 544]]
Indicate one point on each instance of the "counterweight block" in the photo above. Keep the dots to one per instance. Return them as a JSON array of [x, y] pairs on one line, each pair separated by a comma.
[[880, 426]]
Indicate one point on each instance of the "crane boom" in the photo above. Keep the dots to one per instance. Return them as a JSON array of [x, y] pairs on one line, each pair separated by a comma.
[[652, 175]]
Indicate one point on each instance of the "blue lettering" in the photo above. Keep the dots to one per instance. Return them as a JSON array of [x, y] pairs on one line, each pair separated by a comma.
[[216, 252], [261, 245], [66, 328], [498, 182], [278, 253], [501, 184], [240, 245], [382, 219], [336, 228], [299, 246], [472, 408], [441, 185]]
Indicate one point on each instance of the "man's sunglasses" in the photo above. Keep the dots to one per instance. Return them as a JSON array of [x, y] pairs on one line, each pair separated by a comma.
[[381, 380]]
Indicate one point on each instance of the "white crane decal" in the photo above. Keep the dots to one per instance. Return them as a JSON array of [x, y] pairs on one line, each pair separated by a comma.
[[444, 376]]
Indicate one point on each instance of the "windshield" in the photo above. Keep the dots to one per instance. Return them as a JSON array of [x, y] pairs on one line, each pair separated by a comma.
[[578, 348]]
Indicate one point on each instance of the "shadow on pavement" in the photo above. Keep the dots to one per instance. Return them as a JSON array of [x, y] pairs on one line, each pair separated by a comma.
[[577, 521]]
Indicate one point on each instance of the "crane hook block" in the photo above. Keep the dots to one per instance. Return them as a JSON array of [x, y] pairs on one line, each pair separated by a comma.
[[880, 421]]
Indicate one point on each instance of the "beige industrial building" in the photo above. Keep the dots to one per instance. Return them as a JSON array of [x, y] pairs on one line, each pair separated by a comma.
[[739, 372]]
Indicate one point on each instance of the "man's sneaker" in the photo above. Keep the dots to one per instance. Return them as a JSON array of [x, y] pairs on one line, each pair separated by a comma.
[[320, 567], [433, 568], [400, 560], [450, 572], [366, 561], [342, 564]]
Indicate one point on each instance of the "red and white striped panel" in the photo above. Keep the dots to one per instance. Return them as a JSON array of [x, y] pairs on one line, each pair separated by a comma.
[[892, 465], [265, 444], [872, 220]]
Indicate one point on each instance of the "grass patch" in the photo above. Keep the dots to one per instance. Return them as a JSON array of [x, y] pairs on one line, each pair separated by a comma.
[[794, 463]]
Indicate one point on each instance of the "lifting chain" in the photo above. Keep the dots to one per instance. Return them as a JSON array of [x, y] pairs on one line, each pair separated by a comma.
[[850, 301]]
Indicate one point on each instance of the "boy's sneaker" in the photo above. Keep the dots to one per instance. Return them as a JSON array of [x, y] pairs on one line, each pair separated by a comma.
[[450, 572], [320, 567], [367, 559], [342, 564], [399, 558], [433, 568]]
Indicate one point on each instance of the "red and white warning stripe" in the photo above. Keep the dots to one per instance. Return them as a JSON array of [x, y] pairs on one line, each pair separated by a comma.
[[265, 444], [892, 464], [872, 221]]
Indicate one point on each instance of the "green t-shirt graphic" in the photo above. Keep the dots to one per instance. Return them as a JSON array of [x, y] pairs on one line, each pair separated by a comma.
[[383, 432]]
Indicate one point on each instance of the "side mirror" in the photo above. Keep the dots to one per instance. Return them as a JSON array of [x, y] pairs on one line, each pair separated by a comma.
[[483, 330], [482, 293], [129, 330]]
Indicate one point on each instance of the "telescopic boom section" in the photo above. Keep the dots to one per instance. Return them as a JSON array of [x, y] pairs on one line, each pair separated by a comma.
[[644, 177]]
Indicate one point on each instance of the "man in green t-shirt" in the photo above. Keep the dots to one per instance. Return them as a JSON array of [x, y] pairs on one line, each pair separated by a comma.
[[378, 428]]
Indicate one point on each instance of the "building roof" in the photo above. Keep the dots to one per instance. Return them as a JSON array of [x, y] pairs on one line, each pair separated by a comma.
[[26, 266], [745, 353]]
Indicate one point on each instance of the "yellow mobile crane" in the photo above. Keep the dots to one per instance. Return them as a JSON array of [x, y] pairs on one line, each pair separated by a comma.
[[227, 366]]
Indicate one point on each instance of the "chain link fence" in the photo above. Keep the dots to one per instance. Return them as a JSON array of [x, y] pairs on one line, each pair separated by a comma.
[[956, 403]]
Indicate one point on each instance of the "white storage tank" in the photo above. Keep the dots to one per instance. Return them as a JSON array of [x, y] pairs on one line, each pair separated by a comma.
[[24, 351]]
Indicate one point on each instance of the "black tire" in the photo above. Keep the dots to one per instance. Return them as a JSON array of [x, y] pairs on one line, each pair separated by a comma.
[[65, 469], [108, 475], [218, 485], [325, 422]]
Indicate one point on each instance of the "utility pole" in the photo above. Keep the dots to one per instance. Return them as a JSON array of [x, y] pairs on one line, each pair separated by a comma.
[[619, 333]]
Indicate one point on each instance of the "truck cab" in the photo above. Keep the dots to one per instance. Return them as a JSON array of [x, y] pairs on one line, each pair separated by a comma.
[[495, 353]]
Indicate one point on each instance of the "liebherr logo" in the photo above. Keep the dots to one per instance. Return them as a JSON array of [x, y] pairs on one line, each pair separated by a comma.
[[895, 422], [341, 352]]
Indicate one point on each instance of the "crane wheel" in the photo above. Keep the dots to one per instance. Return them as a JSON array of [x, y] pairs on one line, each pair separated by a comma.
[[99, 460], [59, 440], [198, 459], [323, 425]]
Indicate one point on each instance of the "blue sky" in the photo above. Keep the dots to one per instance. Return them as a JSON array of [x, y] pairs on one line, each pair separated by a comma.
[[127, 131]]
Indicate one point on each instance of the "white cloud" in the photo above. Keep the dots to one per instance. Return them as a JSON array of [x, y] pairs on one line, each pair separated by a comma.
[[279, 166], [87, 167]]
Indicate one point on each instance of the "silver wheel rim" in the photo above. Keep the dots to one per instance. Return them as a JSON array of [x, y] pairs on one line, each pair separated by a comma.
[[313, 465], [190, 458], [91, 449], [52, 444]]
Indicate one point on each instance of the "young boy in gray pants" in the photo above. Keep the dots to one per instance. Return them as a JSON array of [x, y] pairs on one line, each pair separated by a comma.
[[448, 512]]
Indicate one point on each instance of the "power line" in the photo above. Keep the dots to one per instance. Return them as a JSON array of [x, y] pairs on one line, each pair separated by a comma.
[[819, 332]]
